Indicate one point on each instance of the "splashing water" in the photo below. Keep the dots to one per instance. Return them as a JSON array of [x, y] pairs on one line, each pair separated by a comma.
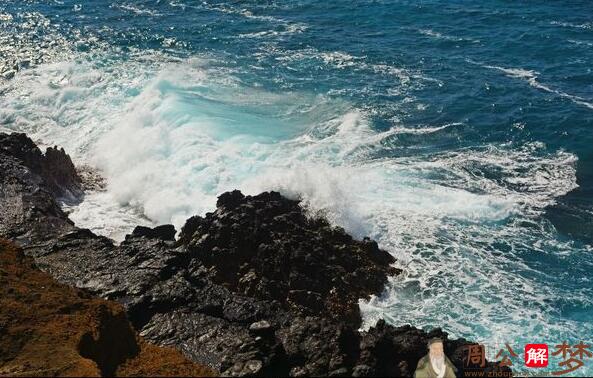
[[435, 169]]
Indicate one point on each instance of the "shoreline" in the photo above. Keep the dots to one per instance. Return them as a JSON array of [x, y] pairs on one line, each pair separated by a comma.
[[235, 290]]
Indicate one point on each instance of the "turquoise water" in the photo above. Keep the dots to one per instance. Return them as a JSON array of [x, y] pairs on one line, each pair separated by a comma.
[[456, 133]]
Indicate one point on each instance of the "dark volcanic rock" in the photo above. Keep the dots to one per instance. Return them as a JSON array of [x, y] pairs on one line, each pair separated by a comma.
[[50, 329], [266, 247], [55, 167], [164, 232], [30, 183], [405, 346], [254, 288]]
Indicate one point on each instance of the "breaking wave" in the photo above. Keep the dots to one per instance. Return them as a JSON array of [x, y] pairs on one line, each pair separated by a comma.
[[171, 130]]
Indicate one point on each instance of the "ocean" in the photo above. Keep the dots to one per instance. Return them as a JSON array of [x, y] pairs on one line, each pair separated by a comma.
[[458, 134]]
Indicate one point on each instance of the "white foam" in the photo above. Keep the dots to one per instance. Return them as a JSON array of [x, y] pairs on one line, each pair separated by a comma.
[[243, 12], [105, 216], [138, 10], [585, 25], [5, 17], [421, 130], [438, 35], [284, 30], [172, 135], [406, 78], [531, 77], [577, 42]]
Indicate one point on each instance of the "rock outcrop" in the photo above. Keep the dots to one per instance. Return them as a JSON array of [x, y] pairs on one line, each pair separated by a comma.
[[265, 247], [30, 183], [49, 329], [254, 288]]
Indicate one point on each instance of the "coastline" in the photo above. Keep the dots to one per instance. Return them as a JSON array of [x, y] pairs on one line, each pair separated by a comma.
[[51, 329], [253, 288]]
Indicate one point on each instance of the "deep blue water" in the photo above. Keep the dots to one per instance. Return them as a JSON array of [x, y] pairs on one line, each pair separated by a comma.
[[456, 133]]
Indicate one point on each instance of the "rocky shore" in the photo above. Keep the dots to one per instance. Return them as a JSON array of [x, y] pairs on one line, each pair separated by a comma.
[[254, 288], [50, 329]]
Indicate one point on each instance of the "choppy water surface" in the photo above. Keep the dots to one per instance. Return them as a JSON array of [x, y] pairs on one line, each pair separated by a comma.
[[457, 134]]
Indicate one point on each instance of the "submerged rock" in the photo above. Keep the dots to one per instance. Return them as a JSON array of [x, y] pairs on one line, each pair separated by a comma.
[[254, 288]]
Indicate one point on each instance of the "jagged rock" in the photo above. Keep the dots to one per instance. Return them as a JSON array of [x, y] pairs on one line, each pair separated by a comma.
[[190, 227], [254, 288], [241, 369], [29, 192], [230, 200], [54, 167], [362, 371], [49, 329], [60, 173], [164, 232], [391, 351], [91, 179], [265, 246]]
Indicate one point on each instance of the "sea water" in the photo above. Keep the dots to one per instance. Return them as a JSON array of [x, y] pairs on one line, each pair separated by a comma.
[[458, 134]]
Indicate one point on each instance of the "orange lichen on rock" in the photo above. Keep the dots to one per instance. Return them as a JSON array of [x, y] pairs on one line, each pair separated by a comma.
[[50, 329]]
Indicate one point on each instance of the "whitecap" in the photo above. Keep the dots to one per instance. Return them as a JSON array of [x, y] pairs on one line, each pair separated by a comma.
[[437, 35], [136, 9], [170, 135], [531, 77], [577, 42], [586, 25]]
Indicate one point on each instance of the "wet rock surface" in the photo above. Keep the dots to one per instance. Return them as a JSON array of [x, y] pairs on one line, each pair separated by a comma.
[[253, 288]]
